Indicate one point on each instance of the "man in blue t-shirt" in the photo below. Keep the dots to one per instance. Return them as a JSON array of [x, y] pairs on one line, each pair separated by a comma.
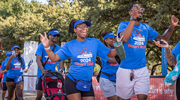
[[4, 72], [44, 63], [171, 58], [133, 75]]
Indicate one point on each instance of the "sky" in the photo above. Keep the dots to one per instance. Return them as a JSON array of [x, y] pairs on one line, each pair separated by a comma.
[[41, 1]]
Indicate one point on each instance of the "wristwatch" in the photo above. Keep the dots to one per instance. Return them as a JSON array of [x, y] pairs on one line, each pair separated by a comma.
[[61, 70], [132, 18]]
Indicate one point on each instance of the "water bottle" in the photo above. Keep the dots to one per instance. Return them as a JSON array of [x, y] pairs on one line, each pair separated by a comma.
[[120, 50]]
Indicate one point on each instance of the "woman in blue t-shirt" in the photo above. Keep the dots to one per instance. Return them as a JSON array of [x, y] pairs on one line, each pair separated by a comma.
[[82, 52], [14, 79], [109, 68], [4, 72]]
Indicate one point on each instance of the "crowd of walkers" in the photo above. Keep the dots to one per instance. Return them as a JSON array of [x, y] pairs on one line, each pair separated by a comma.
[[120, 79]]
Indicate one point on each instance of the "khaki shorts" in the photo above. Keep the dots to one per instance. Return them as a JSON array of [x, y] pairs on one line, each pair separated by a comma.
[[125, 88], [108, 87]]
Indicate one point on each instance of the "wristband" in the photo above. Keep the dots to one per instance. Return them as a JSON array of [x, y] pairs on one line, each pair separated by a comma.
[[47, 48], [61, 70], [132, 19]]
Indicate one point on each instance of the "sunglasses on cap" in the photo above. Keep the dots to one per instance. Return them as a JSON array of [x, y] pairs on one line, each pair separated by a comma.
[[82, 26], [56, 35]]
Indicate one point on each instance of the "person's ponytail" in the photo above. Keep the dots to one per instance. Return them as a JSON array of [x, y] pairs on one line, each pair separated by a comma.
[[71, 26]]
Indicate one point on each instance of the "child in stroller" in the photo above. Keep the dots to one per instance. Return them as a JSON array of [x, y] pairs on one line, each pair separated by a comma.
[[53, 92]]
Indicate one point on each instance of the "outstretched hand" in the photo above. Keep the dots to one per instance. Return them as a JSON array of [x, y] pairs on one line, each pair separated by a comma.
[[119, 39], [174, 20], [44, 40], [164, 45]]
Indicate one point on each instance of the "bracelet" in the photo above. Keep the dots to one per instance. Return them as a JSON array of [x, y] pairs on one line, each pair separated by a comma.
[[47, 48], [61, 70]]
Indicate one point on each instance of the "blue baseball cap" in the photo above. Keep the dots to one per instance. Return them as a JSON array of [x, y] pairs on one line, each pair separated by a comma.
[[8, 53], [54, 32], [109, 35], [88, 23], [15, 46]]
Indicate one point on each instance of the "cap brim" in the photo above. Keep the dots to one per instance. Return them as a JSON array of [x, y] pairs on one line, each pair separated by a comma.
[[88, 23]]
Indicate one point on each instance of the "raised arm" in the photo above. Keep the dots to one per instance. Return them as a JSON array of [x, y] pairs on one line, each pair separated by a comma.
[[8, 65], [128, 31], [113, 52], [52, 56], [167, 34]]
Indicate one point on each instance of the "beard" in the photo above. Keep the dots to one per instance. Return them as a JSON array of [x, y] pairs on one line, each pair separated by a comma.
[[138, 18]]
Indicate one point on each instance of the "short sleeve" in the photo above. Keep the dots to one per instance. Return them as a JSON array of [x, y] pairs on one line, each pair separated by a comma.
[[64, 52], [39, 50], [102, 49], [152, 34], [105, 59], [176, 49], [122, 27]]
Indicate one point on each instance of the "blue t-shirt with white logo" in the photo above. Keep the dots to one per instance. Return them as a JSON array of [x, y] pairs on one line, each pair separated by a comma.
[[83, 57], [108, 67], [3, 68], [176, 50], [135, 48], [42, 52], [16, 68]]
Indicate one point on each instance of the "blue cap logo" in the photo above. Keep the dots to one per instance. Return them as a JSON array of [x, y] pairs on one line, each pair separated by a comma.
[[15, 46], [88, 23], [109, 35]]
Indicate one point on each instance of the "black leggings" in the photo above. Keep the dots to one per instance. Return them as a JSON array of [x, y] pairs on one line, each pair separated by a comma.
[[178, 88]]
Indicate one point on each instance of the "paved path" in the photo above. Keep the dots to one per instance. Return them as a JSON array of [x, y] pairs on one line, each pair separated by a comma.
[[28, 95]]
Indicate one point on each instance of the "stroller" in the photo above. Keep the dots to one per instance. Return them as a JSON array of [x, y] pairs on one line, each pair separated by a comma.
[[51, 91]]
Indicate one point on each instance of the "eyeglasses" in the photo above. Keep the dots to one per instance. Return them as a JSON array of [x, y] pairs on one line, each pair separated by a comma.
[[81, 26], [55, 35], [141, 8]]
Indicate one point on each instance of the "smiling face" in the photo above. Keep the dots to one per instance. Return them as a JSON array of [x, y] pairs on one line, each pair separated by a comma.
[[17, 51], [53, 38], [81, 31], [110, 42]]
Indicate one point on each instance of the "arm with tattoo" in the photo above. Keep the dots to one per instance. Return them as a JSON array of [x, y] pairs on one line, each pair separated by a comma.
[[170, 57], [167, 34]]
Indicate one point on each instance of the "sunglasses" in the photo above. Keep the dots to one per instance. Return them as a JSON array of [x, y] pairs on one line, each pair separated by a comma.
[[82, 26], [56, 36], [141, 9]]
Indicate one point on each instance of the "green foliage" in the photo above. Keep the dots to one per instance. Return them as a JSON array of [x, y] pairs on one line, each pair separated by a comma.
[[22, 21]]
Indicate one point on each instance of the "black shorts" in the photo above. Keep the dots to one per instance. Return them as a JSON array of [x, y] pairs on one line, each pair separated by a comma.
[[49, 84], [178, 88], [4, 87], [11, 80], [70, 88]]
